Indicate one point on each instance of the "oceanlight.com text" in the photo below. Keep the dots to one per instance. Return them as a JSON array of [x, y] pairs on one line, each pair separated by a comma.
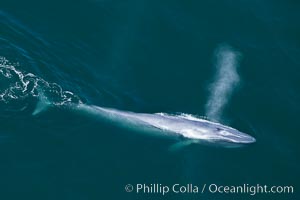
[[164, 189]]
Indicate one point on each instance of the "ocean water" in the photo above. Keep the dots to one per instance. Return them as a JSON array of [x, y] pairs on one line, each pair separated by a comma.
[[235, 62]]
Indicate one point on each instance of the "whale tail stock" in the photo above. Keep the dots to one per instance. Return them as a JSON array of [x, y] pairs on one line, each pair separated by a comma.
[[42, 105]]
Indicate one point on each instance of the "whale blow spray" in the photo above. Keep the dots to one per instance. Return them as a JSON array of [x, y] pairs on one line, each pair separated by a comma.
[[225, 81]]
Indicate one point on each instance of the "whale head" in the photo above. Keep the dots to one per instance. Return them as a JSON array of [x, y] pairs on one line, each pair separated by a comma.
[[232, 135], [221, 135], [216, 133]]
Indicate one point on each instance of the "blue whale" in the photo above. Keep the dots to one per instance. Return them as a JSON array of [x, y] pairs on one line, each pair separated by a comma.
[[184, 128]]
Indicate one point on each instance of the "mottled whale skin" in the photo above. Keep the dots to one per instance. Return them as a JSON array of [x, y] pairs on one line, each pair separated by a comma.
[[185, 129]]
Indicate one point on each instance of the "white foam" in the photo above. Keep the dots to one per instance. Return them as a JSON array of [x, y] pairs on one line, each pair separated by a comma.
[[20, 85]]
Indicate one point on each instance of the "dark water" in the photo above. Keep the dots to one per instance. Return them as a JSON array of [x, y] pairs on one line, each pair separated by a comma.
[[145, 56]]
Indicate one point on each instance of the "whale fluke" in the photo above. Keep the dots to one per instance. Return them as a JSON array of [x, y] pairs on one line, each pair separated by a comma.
[[42, 105]]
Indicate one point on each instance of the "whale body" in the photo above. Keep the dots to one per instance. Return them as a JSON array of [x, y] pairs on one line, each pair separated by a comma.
[[185, 129]]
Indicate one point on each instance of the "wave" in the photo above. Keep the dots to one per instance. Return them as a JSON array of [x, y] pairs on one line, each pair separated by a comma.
[[226, 79]]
